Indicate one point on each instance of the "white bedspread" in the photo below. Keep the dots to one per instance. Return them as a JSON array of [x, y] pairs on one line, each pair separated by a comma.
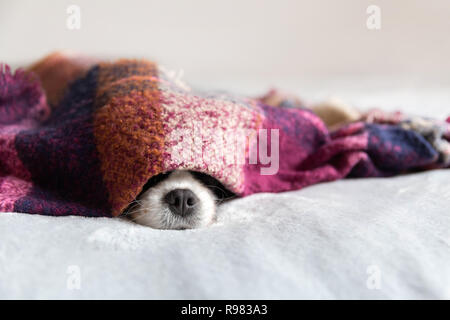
[[371, 238], [368, 238]]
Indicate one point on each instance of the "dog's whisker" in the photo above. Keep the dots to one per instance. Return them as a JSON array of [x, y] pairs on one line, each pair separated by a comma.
[[138, 216], [140, 210]]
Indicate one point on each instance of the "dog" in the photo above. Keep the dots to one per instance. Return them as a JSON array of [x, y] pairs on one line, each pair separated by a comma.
[[180, 199]]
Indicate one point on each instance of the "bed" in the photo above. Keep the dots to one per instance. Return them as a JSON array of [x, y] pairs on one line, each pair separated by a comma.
[[385, 238]]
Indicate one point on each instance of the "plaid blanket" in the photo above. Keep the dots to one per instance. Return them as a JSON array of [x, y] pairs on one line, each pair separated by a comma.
[[83, 138]]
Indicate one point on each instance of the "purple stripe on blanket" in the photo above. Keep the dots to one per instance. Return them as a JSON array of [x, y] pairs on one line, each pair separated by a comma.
[[64, 146], [310, 155]]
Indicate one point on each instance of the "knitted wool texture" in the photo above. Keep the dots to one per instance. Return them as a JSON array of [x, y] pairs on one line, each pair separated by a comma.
[[116, 125]]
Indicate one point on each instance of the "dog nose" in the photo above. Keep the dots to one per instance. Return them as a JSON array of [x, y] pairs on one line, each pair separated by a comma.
[[181, 201]]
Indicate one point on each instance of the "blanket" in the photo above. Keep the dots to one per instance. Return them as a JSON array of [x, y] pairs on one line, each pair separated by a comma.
[[83, 138]]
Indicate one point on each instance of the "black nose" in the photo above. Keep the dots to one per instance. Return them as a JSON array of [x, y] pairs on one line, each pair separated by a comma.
[[181, 201]]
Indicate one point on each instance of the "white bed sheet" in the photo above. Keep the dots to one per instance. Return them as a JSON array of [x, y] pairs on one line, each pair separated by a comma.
[[320, 242]]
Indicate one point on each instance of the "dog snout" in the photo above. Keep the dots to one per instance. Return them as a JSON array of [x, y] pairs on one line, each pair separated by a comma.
[[181, 201]]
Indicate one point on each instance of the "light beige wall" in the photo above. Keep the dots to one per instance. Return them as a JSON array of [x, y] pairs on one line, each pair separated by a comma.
[[240, 37]]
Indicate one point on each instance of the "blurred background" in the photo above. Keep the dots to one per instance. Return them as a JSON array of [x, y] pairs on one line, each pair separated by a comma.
[[314, 48]]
